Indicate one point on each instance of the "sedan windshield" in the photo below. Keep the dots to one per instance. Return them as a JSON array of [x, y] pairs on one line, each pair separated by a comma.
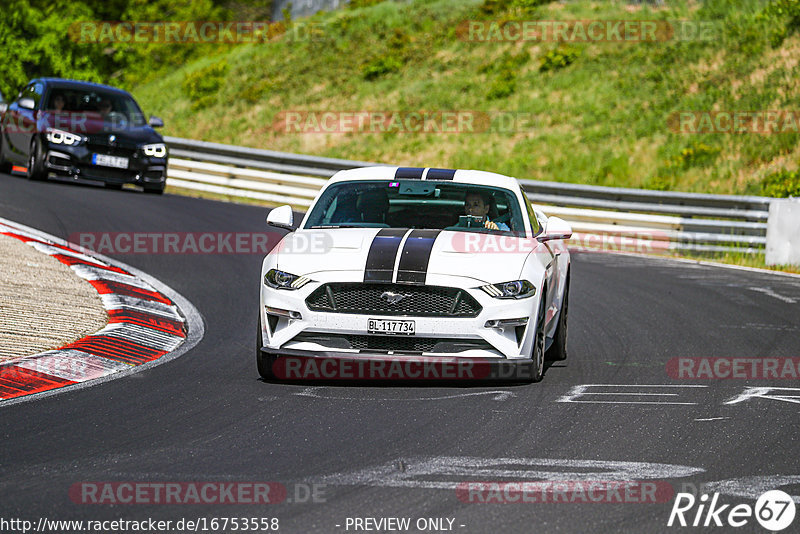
[[113, 107], [418, 204]]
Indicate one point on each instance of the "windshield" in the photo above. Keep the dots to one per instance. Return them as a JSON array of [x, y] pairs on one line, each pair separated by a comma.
[[418, 204], [118, 108]]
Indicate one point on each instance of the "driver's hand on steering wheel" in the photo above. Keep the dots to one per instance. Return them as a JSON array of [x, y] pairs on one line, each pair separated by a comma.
[[490, 225]]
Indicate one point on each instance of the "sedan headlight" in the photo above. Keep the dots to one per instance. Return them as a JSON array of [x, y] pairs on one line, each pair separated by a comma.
[[518, 289], [60, 137], [157, 150], [282, 280]]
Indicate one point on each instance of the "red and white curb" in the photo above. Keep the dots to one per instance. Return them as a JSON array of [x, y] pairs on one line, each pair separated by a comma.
[[148, 324]]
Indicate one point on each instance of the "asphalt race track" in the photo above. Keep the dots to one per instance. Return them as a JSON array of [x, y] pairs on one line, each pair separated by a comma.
[[396, 450]]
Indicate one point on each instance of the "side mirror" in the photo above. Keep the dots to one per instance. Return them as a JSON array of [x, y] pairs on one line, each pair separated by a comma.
[[555, 229], [3, 107], [281, 218], [155, 122], [26, 103]]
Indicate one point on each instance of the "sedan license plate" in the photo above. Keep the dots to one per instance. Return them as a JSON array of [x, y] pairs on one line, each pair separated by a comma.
[[110, 161], [384, 326]]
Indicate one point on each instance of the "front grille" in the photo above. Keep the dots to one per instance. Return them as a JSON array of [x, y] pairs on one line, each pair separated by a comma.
[[423, 301], [107, 173], [393, 343]]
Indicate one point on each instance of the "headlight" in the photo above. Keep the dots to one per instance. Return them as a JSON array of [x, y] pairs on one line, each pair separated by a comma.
[[60, 137], [518, 289], [281, 280], [157, 150]]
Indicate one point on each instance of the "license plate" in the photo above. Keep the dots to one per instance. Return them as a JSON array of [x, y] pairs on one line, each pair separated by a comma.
[[110, 161], [384, 326]]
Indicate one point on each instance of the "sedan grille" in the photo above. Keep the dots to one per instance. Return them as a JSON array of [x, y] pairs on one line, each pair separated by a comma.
[[368, 343], [393, 299]]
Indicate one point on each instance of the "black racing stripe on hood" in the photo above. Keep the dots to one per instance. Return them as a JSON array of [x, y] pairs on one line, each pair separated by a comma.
[[411, 173], [382, 253], [413, 268]]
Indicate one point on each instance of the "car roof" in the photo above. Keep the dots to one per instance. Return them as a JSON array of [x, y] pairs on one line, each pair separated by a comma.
[[76, 84], [459, 176]]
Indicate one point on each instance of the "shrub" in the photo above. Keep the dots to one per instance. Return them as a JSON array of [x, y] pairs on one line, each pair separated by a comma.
[[355, 4], [503, 86], [492, 7], [782, 18], [781, 184], [201, 86], [697, 154], [383, 64], [558, 58]]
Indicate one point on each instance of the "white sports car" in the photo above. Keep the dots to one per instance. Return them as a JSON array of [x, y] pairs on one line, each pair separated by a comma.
[[400, 272]]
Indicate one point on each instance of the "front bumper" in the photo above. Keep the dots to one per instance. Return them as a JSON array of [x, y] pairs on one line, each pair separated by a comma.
[[302, 365], [490, 341], [76, 162]]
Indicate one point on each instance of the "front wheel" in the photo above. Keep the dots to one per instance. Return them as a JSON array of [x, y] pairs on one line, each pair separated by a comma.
[[263, 362], [558, 350], [5, 165], [537, 351], [35, 164]]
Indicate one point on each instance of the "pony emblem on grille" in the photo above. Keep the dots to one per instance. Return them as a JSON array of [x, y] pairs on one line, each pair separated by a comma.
[[393, 298]]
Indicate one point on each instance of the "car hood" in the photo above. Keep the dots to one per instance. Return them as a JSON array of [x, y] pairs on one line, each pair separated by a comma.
[[97, 130], [341, 254]]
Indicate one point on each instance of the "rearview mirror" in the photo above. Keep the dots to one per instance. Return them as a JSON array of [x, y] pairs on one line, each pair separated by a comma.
[[3, 107], [155, 122], [281, 218], [555, 229], [26, 103]]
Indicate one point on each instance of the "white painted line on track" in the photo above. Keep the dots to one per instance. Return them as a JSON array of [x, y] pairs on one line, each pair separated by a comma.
[[769, 292], [447, 472]]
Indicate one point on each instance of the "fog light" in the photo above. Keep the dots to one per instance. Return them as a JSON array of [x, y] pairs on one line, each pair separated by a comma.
[[502, 323], [291, 314]]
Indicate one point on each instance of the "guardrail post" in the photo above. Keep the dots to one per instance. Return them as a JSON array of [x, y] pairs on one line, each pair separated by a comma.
[[783, 232]]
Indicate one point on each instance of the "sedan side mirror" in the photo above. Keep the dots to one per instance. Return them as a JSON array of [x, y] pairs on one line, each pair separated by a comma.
[[3, 107], [155, 122], [555, 229], [281, 218], [26, 103]]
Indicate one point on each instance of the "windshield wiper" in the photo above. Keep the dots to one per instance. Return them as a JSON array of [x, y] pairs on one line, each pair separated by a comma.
[[335, 226]]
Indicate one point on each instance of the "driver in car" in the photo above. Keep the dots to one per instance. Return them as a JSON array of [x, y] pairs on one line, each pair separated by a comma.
[[477, 204]]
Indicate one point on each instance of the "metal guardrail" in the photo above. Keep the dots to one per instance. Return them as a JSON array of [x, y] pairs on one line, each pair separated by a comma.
[[682, 221]]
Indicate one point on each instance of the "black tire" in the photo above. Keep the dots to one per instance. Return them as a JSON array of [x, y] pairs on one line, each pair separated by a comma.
[[537, 350], [5, 165], [263, 362], [558, 350], [36, 170]]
